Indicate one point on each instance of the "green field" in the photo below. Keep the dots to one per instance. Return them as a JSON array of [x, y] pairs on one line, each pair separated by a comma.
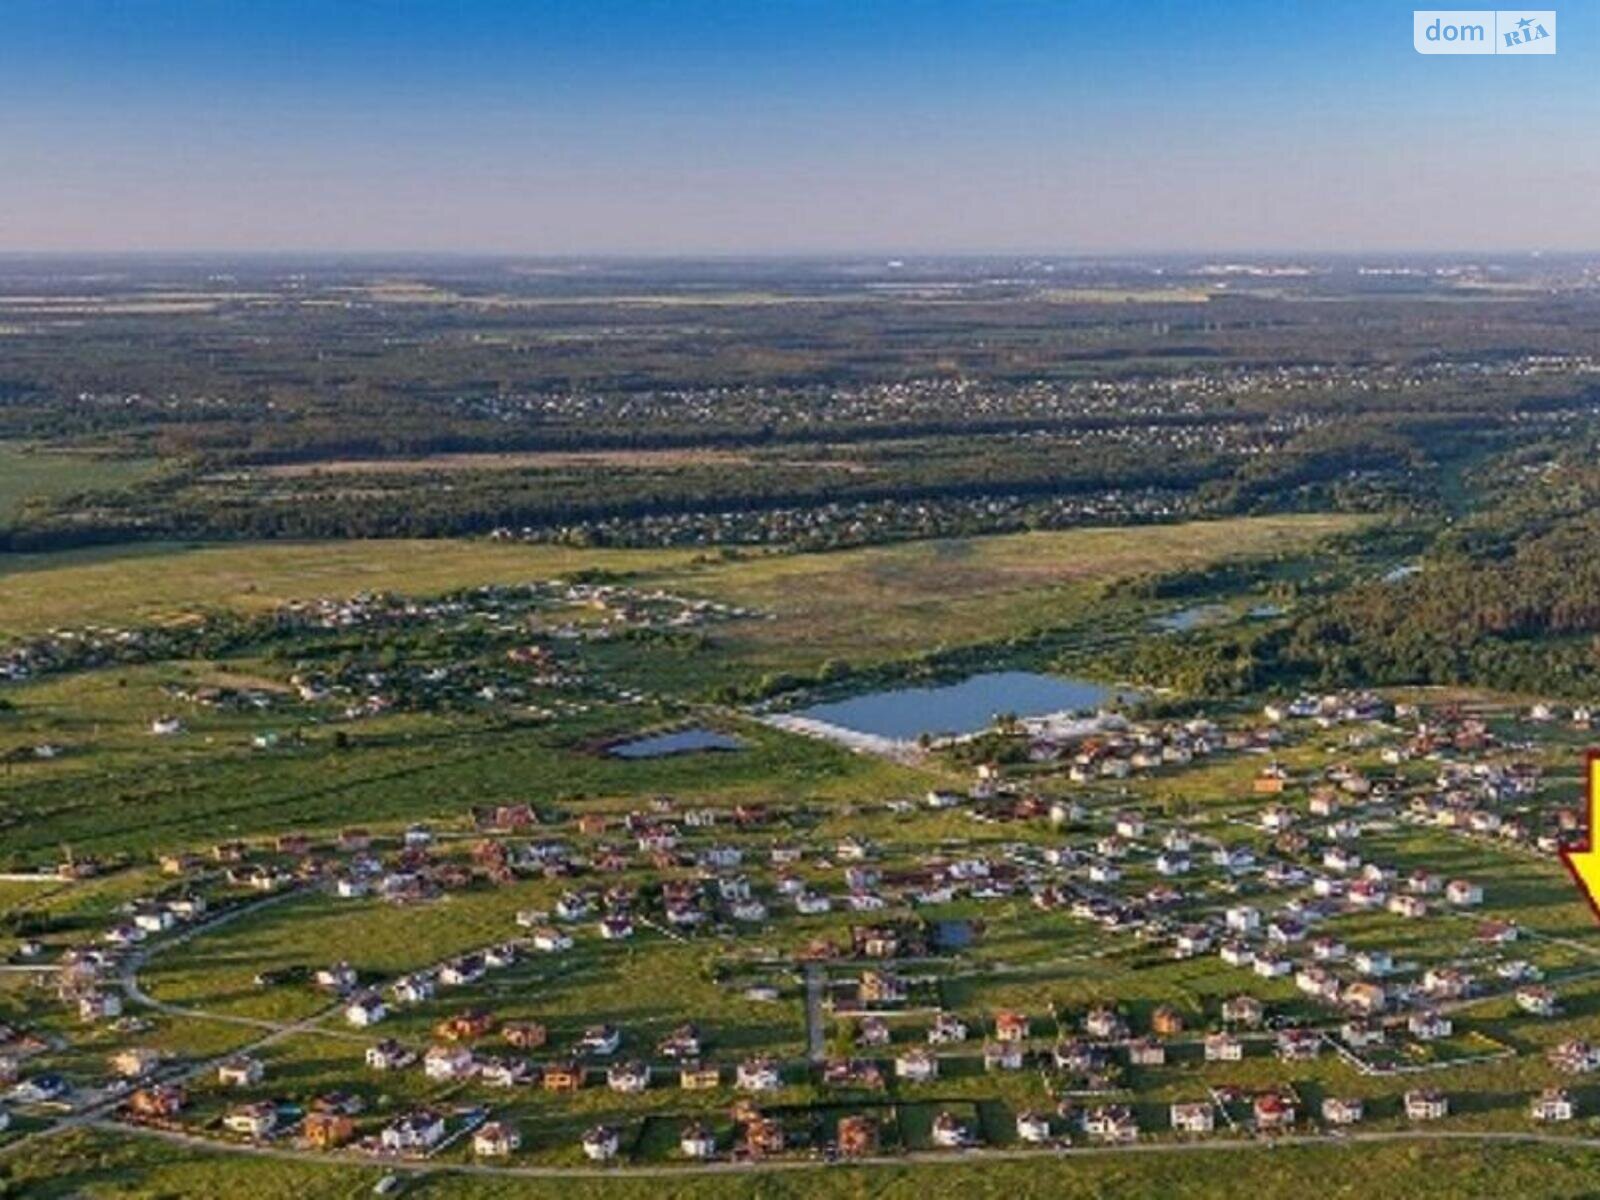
[[164, 581], [882, 599], [105, 1166], [29, 474]]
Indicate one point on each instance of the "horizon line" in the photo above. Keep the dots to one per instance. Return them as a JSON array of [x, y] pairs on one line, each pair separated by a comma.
[[793, 255]]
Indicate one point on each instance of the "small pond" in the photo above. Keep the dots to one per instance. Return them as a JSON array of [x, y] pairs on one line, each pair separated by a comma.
[[682, 741], [1186, 619]]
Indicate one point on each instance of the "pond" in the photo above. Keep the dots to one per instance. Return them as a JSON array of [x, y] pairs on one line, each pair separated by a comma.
[[1186, 619], [903, 714], [682, 741]]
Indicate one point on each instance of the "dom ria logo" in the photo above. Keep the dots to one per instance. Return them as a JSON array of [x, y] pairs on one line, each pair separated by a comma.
[[1527, 31], [1484, 31]]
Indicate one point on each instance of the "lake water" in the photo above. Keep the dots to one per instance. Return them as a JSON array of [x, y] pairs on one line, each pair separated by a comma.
[[684, 741], [958, 708]]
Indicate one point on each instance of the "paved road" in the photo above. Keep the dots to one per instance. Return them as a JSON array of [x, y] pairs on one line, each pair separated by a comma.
[[816, 1042]]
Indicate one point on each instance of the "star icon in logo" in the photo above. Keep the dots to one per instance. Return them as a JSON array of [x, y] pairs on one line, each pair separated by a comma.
[[1525, 22]]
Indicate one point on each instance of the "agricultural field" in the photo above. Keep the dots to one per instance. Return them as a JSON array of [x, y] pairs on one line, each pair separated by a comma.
[[37, 476]]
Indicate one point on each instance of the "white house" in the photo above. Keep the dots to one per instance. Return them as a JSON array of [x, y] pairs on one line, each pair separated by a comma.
[[365, 1009]]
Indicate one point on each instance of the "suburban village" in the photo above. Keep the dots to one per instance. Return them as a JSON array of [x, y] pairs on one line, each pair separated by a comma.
[[1353, 925]]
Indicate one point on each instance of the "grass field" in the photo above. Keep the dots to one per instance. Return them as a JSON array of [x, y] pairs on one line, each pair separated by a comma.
[[28, 474], [163, 581], [879, 600], [122, 792], [882, 602], [100, 1166]]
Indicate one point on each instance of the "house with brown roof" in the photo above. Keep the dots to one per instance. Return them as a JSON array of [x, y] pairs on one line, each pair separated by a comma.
[[1166, 1021], [562, 1077], [327, 1130], [524, 1035], [1010, 1026], [763, 1136], [694, 1076], [858, 1135]]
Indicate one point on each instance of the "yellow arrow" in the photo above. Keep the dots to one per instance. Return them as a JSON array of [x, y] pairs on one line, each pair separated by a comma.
[[1583, 860]]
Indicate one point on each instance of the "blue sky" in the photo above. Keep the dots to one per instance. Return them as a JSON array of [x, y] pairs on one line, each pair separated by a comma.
[[771, 126]]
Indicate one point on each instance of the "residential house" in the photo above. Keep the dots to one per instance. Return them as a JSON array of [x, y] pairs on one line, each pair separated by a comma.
[[916, 1066], [1111, 1123], [327, 1130], [1537, 1000], [243, 1071], [601, 1143], [1002, 1056], [628, 1078], [562, 1077], [496, 1139], [1197, 1116], [255, 1120], [857, 1135], [1429, 1025], [1272, 1111], [1463, 893], [365, 1009], [1425, 1104], [1243, 1009], [390, 1055], [697, 1141], [448, 1062], [1341, 1110], [949, 1132], [758, 1075], [1010, 1026], [694, 1076], [600, 1040], [158, 1102], [1223, 1047], [1553, 1104]]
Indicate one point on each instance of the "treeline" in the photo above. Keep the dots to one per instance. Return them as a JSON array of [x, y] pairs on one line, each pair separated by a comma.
[[1524, 617], [238, 443]]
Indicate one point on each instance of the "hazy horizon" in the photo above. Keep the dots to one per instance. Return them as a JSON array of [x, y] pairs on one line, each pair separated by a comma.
[[785, 129]]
